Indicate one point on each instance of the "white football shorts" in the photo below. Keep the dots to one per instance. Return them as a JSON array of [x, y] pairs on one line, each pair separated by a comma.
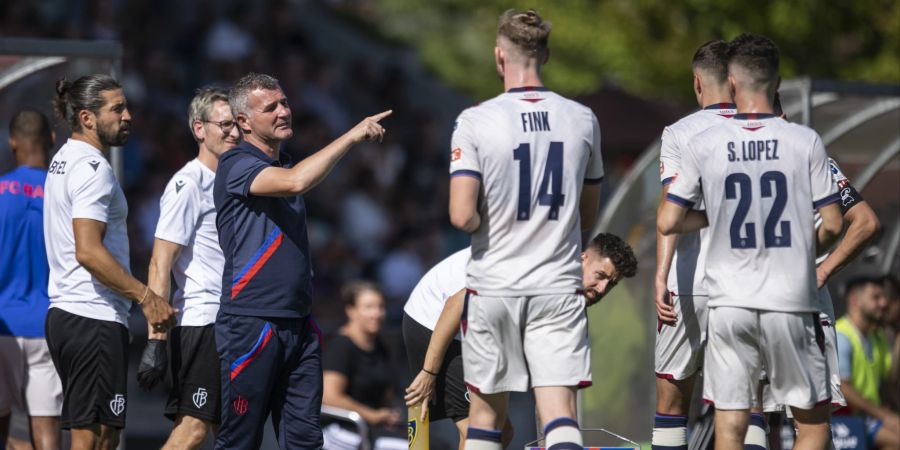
[[679, 347], [513, 343], [743, 342]]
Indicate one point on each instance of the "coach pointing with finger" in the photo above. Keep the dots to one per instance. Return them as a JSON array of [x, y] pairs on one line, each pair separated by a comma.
[[268, 344]]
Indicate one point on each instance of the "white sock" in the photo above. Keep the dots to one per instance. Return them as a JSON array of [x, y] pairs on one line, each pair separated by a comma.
[[478, 439], [562, 434]]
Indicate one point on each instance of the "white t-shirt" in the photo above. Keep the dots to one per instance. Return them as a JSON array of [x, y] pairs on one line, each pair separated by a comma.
[[687, 269], [760, 175], [188, 218], [81, 185], [532, 150], [440, 283]]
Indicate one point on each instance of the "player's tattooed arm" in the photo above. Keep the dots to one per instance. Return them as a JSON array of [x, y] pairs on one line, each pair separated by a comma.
[[862, 224], [422, 387]]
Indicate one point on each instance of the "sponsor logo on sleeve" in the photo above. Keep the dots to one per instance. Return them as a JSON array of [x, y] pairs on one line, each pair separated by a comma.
[[456, 154]]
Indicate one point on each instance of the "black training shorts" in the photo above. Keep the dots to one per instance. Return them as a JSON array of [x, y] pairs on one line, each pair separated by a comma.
[[450, 395], [91, 357], [194, 366]]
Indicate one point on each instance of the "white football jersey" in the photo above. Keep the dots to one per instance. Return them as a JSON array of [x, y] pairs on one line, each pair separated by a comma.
[[760, 175], [687, 269], [532, 150], [81, 185], [188, 218], [440, 283]]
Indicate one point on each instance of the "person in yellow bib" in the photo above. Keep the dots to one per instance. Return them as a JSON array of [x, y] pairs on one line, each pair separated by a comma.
[[864, 358]]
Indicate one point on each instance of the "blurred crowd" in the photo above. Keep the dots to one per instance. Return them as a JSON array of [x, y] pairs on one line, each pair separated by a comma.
[[381, 215]]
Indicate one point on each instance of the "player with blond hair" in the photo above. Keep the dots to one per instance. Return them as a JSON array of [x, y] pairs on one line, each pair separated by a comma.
[[525, 181]]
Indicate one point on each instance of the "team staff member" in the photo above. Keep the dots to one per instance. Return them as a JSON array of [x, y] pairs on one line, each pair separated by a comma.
[[432, 315], [267, 342], [91, 289], [27, 375], [187, 246]]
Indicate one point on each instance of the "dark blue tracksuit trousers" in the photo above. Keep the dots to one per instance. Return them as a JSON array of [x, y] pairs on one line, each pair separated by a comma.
[[269, 365]]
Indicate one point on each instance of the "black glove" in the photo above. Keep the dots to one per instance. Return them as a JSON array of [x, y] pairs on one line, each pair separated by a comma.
[[154, 363]]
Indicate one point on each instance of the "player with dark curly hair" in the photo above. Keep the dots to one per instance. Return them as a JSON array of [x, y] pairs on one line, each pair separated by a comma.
[[432, 315]]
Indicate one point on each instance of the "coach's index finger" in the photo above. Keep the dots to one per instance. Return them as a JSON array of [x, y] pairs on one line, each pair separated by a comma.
[[381, 115]]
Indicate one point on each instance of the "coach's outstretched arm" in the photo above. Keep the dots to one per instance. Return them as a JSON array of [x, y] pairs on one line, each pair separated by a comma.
[[96, 259], [421, 390], [279, 182], [464, 191], [862, 225]]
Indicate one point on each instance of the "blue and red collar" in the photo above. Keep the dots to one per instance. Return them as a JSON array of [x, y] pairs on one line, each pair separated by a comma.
[[528, 89], [721, 106], [754, 116]]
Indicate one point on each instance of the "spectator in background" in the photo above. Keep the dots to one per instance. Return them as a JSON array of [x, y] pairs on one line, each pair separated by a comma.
[[891, 390], [27, 376], [357, 371], [864, 359]]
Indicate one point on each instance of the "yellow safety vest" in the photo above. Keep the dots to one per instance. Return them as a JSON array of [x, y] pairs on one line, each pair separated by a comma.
[[866, 374]]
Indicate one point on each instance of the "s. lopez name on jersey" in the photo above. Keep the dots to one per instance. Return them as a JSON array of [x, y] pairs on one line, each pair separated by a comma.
[[766, 150], [535, 121]]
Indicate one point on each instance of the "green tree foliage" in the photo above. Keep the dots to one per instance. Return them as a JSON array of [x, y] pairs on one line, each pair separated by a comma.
[[644, 46]]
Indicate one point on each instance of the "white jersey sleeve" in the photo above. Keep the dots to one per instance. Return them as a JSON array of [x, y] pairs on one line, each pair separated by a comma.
[[824, 189], [440, 283], [464, 149], [91, 186], [595, 171], [179, 211]]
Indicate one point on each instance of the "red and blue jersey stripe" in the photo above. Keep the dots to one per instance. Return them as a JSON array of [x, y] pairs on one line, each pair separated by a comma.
[[272, 242]]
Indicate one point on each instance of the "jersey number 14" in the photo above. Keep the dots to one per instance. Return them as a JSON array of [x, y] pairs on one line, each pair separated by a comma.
[[550, 193]]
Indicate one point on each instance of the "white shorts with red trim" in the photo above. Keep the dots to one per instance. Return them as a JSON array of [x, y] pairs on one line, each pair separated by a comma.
[[789, 346], [513, 343], [679, 347], [831, 362]]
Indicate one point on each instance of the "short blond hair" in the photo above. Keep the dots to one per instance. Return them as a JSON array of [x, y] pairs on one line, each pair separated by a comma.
[[526, 30]]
